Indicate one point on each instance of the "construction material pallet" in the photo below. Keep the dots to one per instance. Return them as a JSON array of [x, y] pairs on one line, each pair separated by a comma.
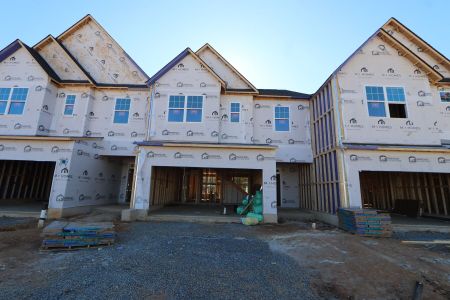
[[73, 235], [365, 222]]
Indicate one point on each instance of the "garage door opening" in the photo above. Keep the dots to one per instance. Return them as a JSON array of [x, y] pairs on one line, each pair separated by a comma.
[[407, 193], [25, 185], [202, 187]]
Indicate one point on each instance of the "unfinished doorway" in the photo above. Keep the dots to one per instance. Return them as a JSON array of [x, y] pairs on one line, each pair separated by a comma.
[[407, 193], [129, 188], [25, 183], [202, 186]]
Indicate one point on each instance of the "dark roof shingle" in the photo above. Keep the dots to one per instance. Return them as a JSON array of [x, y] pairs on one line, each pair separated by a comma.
[[283, 93]]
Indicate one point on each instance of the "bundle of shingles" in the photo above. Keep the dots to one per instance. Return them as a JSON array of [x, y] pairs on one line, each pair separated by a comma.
[[69, 235], [365, 222]]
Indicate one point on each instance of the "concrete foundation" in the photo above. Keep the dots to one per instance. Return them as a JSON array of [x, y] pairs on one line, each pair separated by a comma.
[[132, 214]]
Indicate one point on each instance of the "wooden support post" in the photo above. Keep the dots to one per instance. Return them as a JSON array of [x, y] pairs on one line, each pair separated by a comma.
[[427, 194], [391, 190], [433, 193], [441, 187], [416, 179]]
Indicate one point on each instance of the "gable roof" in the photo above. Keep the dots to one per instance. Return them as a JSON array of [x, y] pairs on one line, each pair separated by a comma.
[[176, 60], [407, 53], [283, 93], [89, 18], [18, 44], [50, 39], [441, 58], [208, 46]]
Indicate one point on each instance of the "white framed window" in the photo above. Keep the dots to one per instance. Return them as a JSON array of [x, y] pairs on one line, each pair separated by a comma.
[[12, 100], [194, 108], [176, 108], [4, 97], [69, 105], [235, 112], [375, 101], [386, 102], [444, 95], [122, 110], [282, 118], [185, 110]]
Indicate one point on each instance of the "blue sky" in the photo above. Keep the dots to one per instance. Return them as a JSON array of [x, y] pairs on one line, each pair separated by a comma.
[[275, 44]]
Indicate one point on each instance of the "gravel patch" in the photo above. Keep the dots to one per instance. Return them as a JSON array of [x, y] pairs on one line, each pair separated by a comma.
[[167, 261]]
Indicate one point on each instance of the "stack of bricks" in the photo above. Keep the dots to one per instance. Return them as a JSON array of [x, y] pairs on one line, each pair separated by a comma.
[[365, 222]]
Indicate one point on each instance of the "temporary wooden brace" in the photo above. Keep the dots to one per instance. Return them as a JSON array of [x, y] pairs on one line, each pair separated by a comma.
[[14, 180], [23, 175], [8, 178], [33, 183], [442, 194], [2, 172]]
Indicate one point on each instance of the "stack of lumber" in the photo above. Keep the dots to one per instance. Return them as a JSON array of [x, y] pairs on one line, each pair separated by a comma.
[[68, 235], [365, 222]]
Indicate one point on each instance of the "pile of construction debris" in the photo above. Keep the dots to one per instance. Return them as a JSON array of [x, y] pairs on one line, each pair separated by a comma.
[[365, 222], [69, 235]]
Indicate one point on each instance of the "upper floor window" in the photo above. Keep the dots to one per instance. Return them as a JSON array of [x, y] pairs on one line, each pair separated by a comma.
[[394, 107], [176, 108], [194, 108], [69, 105], [12, 101], [445, 95], [396, 102], [281, 118], [122, 110], [235, 112], [375, 101], [181, 110]]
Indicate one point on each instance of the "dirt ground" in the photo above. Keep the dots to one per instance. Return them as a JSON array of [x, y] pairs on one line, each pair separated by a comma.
[[338, 265], [353, 267]]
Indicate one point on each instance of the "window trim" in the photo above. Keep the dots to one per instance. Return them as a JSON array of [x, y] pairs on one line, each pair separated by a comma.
[[8, 102], [289, 119], [114, 111], [386, 101], [185, 108], [239, 113], [73, 110]]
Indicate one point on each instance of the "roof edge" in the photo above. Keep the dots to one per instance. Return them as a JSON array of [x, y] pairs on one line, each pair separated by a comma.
[[177, 59], [207, 45]]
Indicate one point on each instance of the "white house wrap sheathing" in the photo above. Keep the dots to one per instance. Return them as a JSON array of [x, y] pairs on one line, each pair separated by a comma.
[[81, 176]]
